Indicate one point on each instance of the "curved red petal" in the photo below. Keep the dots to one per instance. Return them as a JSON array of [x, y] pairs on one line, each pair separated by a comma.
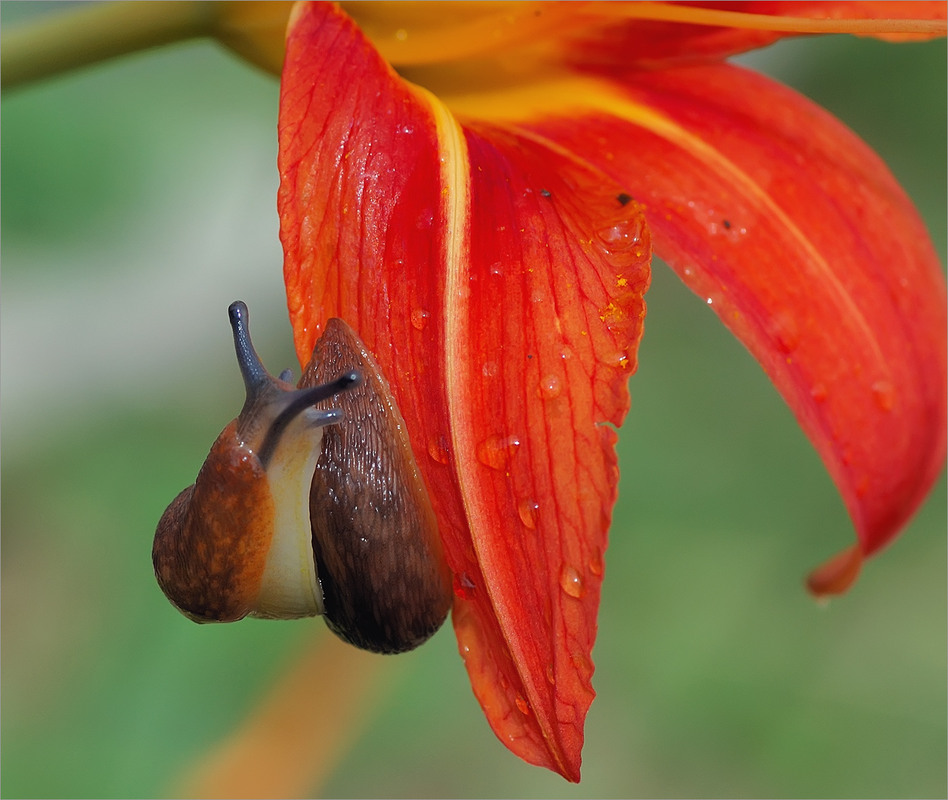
[[499, 283], [468, 46], [664, 34], [806, 247], [544, 332]]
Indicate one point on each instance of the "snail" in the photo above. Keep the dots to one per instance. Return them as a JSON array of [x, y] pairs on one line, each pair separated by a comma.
[[310, 503]]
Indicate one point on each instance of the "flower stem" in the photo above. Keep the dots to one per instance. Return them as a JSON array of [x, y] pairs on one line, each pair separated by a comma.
[[294, 738], [62, 42]]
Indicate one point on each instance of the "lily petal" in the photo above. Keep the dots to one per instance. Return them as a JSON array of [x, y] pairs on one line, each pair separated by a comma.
[[474, 40], [803, 243], [498, 279]]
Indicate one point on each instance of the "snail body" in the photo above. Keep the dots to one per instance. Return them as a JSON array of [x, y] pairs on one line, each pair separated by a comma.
[[310, 503]]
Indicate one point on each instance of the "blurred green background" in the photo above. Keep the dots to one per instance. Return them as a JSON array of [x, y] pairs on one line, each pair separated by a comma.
[[138, 200]]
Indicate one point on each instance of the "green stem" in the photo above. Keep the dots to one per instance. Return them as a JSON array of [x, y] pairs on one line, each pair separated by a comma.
[[93, 33]]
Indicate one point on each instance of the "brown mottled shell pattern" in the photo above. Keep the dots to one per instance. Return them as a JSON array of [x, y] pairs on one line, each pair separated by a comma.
[[378, 554], [210, 565]]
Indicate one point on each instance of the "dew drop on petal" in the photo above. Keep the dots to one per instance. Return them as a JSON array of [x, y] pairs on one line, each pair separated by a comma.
[[495, 451], [621, 240], [419, 318], [467, 638], [618, 359], [437, 450], [489, 369], [550, 675], [522, 705], [884, 393], [571, 581], [595, 562], [527, 510], [621, 235], [549, 387]]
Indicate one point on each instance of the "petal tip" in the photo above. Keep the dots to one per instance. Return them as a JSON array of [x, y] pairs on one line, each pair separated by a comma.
[[834, 577]]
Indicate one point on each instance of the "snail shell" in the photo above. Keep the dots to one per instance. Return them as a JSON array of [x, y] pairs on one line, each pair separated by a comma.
[[310, 502]]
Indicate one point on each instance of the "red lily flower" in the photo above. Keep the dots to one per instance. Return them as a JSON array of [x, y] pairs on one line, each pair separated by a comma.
[[491, 245]]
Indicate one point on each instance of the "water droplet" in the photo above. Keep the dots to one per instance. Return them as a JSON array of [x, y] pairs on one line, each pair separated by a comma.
[[819, 392], [527, 509], [496, 451], [522, 705], [621, 235], [489, 369], [708, 300], [623, 240], [419, 318], [884, 393], [467, 634], [571, 581], [464, 587], [595, 562], [497, 269], [401, 34], [619, 359], [549, 387], [550, 675], [437, 450]]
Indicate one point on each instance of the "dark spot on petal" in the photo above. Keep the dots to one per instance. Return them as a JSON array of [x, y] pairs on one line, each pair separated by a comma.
[[624, 198], [726, 223], [546, 193]]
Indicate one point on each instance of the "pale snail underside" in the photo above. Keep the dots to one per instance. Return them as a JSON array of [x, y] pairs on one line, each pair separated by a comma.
[[310, 502]]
